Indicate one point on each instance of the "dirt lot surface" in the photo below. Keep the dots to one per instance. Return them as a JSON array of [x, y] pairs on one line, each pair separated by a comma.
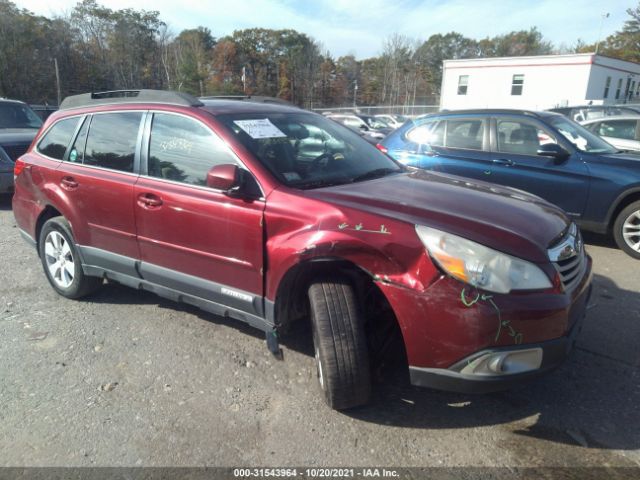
[[125, 378]]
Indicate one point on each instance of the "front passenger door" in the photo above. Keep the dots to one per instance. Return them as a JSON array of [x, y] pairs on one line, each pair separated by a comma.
[[193, 238], [517, 164]]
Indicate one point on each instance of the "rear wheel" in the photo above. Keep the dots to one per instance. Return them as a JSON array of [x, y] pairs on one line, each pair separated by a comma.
[[61, 261], [340, 345], [626, 230]]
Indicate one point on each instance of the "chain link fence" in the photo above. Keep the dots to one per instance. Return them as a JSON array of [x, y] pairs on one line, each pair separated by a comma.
[[407, 110]]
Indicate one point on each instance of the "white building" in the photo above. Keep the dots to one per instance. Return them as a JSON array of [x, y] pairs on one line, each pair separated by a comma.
[[538, 82]]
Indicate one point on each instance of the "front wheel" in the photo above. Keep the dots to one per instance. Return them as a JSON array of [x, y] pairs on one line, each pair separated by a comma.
[[626, 230], [61, 261], [340, 345]]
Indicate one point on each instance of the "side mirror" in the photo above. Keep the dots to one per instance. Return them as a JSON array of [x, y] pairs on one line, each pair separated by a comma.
[[224, 177], [553, 150]]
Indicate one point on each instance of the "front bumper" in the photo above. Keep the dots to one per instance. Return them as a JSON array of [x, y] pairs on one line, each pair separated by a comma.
[[553, 353]]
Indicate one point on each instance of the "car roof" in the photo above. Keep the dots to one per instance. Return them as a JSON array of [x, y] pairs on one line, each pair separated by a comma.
[[144, 97], [223, 106], [494, 111], [8, 100]]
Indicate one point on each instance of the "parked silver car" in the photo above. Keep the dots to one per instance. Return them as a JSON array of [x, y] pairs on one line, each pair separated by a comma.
[[621, 132]]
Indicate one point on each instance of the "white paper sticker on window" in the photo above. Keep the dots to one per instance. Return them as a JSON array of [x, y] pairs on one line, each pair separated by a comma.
[[260, 128]]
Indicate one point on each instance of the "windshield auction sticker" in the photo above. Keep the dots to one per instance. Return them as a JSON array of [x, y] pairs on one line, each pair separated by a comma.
[[260, 128]]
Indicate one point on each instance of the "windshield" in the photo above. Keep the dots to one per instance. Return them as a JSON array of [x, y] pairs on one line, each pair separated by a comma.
[[580, 137], [18, 115], [305, 150]]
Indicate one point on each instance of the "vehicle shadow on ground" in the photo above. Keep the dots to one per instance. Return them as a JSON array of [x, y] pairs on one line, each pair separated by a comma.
[[5, 202], [600, 240], [114, 293], [592, 400]]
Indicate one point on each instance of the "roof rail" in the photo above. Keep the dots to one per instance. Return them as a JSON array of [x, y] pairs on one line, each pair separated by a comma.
[[249, 98], [130, 96], [485, 111]]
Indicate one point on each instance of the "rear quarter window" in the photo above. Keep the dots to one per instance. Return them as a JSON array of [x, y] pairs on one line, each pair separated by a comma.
[[55, 142]]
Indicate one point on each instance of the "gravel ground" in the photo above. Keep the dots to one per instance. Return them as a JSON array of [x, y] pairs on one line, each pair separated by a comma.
[[125, 378]]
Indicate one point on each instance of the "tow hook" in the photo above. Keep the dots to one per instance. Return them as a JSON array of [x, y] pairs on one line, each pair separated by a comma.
[[273, 345]]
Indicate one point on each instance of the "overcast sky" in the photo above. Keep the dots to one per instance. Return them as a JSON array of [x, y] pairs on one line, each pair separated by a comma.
[[359, 27]]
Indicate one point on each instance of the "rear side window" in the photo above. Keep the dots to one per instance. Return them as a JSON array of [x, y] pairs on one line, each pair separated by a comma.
[[112, 139], [55, 142], [429, 133], [465, 134], [183, 150]]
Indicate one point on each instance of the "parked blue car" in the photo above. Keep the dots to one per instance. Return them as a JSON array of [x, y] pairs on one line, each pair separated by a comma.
[[542, 153]]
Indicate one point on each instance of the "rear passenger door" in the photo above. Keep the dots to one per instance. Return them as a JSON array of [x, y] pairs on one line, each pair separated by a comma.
[[453, 145], [517, 164], [464, 150], [97, 178], [193, 238]]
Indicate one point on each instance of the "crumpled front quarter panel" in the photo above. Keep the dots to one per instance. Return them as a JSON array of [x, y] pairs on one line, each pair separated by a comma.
[[300, 229]]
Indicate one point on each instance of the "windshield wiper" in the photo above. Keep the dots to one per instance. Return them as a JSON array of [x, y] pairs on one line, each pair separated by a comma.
[[376, 173], [319, 183]]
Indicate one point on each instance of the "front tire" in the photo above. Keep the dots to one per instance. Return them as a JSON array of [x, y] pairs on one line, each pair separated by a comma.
[[340, 345], [626, 230], [61, 261]]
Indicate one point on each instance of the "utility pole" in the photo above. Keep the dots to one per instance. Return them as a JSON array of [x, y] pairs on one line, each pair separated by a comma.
[[244, 80], [55, 62], [355, 92], [604, 15]]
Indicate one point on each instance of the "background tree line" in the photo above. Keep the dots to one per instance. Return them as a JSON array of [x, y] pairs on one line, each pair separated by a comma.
[[97, 48]]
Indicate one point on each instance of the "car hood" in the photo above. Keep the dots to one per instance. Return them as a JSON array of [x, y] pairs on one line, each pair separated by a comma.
[[17, 135], [619, 158], [502, 218]]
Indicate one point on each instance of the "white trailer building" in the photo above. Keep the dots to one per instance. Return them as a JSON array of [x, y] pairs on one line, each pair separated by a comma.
[[538, 82]]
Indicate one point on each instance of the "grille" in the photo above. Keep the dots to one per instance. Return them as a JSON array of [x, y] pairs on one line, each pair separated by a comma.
[[15, 151], [571, 270], [568, 258]]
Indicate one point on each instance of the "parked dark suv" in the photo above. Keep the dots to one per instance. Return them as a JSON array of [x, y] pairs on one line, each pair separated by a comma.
[[229, 206], [542, 153], [18, 125]]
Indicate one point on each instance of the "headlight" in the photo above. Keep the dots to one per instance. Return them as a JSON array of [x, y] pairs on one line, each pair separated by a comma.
[[481, 266]]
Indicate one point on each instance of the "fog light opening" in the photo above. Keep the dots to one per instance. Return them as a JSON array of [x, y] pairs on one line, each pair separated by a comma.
[[505, 363]]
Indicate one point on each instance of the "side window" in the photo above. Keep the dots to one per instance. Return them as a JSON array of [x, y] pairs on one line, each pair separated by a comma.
[[625, 129], [465, 134], [521, 137], [354, 122], [111, 142], [591, 113], [183, 150], [54, 144], [429, 133]]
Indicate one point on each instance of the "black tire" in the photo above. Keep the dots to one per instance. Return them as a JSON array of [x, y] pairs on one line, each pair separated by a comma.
[[629, 215], [340, 345], [79, 284]]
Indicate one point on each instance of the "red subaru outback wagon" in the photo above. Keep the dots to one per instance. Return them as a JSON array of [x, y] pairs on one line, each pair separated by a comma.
[[269, 214]]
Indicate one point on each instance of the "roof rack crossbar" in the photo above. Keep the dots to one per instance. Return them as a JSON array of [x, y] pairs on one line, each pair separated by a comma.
[[130, 96]]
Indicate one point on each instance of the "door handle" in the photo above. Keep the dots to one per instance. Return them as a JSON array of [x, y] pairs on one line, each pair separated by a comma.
[[149, 200], [68, 183], [503, 161]]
